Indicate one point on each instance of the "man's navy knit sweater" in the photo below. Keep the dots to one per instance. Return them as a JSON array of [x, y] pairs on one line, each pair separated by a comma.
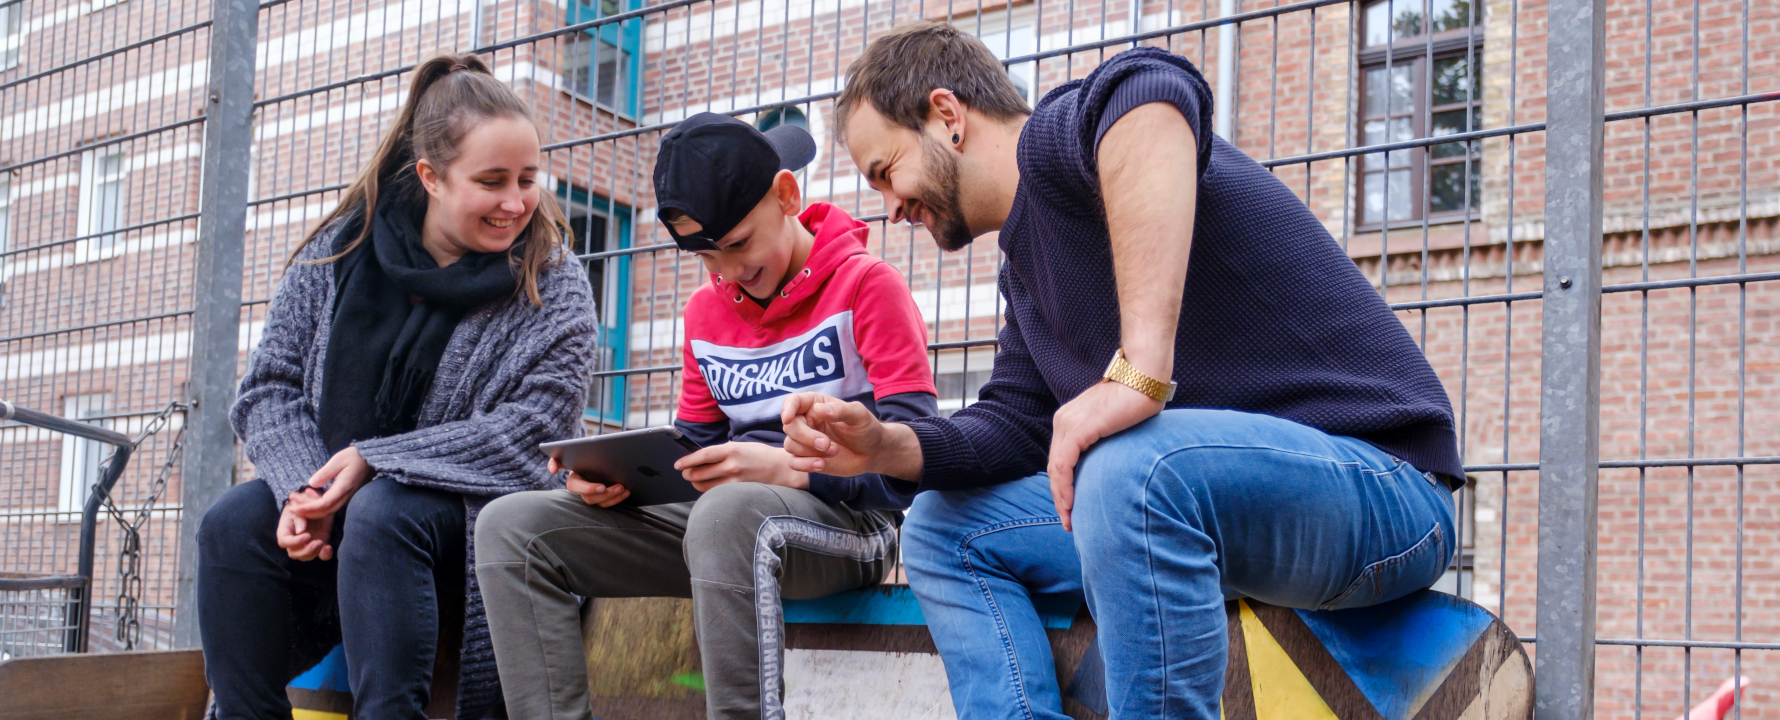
[[1275, 319]]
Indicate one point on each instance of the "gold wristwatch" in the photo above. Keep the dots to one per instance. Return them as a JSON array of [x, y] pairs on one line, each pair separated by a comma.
[[1122, 372]]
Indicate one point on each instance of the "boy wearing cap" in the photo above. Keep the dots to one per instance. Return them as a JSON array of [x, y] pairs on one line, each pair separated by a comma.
[[794, 304]]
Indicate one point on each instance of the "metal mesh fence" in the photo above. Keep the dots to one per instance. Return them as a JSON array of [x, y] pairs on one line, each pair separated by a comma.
[[1415, 129]]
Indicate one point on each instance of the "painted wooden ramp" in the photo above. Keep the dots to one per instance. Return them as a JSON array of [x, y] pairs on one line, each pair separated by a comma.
[[866, 655]]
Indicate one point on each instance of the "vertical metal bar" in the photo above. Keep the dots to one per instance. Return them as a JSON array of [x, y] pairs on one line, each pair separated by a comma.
[[216, 317], [1569, 393]]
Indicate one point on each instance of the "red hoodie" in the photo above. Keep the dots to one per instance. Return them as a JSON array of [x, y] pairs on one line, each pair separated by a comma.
[[845, 326]]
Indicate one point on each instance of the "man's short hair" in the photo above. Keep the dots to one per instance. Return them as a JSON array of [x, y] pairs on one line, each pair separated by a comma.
[[898, 71]]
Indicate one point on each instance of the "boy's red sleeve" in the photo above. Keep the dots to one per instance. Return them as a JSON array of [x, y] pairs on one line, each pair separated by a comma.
[[890, 334], [696, 402]]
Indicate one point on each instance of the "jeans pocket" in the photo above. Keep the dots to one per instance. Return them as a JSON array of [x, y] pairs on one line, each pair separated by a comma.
[[1398, 575]]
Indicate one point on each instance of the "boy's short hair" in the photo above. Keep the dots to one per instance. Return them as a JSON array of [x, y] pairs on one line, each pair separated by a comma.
[[898, 71]]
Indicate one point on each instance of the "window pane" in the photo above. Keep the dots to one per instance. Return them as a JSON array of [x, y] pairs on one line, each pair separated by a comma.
[[1452, 122], [111, 165], [577, 61], [1448, 187], [1451, 15], [608, 8], [611, 89], [1406, 24], [1452, 84], [1402, 89], [109, 206]]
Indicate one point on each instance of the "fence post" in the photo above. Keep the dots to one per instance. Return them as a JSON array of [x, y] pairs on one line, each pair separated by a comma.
[[1569, 393], [216, 318]]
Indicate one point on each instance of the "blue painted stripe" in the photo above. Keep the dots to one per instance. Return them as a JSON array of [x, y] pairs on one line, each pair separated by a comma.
[[1399, 652], [896, 605], [329, 674]]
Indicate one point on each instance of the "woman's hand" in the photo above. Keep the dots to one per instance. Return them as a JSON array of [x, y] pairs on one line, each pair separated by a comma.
[[741, 462], [592, 493], [348, 472], [304, 538]]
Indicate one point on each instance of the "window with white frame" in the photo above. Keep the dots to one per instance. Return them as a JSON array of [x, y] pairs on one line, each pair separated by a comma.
[[1009, 33], [82, 458], [12, 34], [97, 5], [102, 176]]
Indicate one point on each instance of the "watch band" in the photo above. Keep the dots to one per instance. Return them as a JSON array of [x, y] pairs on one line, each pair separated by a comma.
[[1124, 373]]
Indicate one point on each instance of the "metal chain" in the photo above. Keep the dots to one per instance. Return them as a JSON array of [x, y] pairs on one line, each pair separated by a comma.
[[129, 560]]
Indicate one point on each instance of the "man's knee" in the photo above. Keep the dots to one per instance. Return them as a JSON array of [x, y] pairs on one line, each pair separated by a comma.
[[243, 515]]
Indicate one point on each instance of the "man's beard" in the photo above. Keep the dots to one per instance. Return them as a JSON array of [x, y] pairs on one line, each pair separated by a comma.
[[939, 198]]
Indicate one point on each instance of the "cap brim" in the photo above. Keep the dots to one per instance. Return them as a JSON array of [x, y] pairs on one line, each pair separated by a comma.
[[793, 144]]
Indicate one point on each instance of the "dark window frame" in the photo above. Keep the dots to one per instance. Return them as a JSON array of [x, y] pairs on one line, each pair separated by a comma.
[[1415, 51]]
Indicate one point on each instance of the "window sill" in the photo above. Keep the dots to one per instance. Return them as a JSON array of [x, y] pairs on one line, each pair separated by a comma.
[[615, 112]]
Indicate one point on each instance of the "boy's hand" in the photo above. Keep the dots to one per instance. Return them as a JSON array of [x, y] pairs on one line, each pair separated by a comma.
[[741, 462], [843, 438], [593, 493]]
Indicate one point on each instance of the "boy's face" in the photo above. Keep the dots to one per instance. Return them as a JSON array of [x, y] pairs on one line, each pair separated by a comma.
[[757, 252]]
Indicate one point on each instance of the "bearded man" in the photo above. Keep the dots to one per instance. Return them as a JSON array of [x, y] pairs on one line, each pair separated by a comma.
[[1192, 376]]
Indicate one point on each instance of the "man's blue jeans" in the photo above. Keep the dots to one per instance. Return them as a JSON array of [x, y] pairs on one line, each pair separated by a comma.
[[1174, 517]]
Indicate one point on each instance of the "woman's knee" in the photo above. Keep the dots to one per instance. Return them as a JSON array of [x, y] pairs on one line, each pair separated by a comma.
[[245, 514], [385, 514]]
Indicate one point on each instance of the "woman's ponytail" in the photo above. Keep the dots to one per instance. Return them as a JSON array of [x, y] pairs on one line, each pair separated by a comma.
[[447, 96]]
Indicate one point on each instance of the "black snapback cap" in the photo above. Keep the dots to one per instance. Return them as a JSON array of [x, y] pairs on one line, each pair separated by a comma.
[[716, 169]]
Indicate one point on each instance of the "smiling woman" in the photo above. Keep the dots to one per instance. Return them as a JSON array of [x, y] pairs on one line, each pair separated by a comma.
[[454, 339]]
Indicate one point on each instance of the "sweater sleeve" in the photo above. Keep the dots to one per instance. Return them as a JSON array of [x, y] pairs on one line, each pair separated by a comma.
[[272, 415], [1129, 80], [1006, 434], [494, 451]]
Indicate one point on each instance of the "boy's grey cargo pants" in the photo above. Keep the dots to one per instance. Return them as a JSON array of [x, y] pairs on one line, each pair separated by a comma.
[[735, 552]]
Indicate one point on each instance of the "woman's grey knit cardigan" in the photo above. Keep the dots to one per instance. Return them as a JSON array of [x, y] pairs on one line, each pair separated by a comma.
[[513, 375]]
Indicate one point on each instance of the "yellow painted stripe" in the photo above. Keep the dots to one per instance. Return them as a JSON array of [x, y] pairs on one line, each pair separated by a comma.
[[301, 714], [1281, 690]]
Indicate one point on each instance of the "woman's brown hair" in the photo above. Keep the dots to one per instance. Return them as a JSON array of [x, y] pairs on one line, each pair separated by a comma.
[[441, 108]]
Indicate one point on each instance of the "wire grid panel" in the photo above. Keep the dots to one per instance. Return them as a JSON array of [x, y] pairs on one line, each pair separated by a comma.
[[35, 621], [100, 138]]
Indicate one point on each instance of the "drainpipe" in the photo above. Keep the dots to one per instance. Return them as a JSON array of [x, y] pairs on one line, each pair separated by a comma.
[[1224, 104]]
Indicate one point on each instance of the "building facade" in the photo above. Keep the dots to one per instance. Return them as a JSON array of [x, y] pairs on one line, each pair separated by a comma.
[[101, 139]]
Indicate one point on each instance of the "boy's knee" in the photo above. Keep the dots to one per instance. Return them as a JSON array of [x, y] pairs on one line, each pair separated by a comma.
[[505, 526], [732, 513]]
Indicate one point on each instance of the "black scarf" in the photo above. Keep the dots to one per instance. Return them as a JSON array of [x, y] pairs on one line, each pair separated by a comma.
[[394, 312]]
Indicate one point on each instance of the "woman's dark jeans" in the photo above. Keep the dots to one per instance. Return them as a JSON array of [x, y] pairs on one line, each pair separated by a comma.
[[396, 546]]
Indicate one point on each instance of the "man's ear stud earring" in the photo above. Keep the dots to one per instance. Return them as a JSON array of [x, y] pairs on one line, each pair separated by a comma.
[[954, 138]]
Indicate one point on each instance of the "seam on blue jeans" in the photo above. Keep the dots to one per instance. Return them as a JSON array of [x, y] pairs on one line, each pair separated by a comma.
[[781, 531], [1371, 572], [1007, 641]]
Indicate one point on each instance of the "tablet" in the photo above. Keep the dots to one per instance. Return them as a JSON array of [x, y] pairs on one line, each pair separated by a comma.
[[642, 460]]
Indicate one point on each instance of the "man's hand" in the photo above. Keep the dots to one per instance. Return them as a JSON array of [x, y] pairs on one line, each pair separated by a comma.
[[593, 493], [843, 438], [348, 472], [1101, 410], [741, 462], [304, 538]]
